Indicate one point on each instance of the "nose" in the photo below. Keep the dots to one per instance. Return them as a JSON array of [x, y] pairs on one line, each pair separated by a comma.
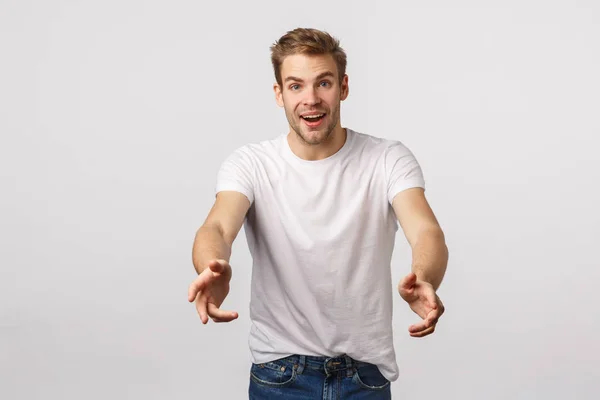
[[311, 98]]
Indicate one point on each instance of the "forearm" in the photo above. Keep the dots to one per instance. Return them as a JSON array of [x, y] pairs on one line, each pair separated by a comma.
[[430, 257], [209, 244]]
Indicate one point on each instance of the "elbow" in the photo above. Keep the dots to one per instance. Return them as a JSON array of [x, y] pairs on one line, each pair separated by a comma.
[[430, 234]]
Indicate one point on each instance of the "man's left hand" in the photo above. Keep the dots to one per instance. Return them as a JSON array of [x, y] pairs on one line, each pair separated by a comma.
[[422, 299]]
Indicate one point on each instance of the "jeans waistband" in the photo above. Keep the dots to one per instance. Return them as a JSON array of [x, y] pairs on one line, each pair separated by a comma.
[[326, 365]]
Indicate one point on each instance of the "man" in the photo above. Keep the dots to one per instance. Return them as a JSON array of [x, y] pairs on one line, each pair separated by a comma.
[[321, 206]]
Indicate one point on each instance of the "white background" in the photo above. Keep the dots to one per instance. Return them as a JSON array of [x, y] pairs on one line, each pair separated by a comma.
[[115, 116]]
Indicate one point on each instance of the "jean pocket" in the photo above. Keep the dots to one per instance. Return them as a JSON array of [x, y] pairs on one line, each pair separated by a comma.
[[369, 377], [275, 373]]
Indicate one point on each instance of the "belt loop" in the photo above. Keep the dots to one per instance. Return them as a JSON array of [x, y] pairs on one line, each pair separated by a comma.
[[350, 365], [301, 364]]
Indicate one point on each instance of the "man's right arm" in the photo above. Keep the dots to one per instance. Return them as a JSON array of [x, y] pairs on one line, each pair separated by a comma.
[[215, 237]]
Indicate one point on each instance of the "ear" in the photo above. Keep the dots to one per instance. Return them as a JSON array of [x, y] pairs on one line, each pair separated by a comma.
[[344, 89], [278, 94]]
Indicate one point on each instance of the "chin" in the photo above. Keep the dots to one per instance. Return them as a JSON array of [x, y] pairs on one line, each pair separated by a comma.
[[315, 137]]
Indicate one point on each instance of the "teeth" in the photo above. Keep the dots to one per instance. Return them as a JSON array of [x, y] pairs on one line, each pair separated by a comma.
[[313, 116]]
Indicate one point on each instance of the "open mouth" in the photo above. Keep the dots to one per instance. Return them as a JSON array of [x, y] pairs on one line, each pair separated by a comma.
[[313, 119]]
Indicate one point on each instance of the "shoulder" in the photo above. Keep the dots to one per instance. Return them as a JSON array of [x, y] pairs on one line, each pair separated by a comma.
[[380, 146], [251, 155], [256, 151]]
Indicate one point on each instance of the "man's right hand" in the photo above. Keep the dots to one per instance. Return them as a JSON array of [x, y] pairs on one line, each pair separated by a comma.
[[209, 290]]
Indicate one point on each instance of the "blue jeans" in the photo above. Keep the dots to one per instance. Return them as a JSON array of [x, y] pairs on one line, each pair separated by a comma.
[[308, 377]]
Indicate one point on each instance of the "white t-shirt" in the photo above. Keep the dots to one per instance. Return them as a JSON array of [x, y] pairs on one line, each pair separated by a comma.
[[321, 235]]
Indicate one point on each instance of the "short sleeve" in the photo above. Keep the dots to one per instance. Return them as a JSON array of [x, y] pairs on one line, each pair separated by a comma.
[[402, 170], [236, 174]]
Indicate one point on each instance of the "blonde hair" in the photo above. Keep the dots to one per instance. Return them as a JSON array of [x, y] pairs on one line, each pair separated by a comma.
[[310, 42]]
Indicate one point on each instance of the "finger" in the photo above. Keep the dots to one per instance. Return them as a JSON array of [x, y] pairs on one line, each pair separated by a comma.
[[441, 306], [435, 314], [193, 290], [423, 333], [196, 286], [421, 326], [199, 284], [427, 293], [432, 299], [428, 322], [218, 320], [219, 315], [201, 307], [437, 306]]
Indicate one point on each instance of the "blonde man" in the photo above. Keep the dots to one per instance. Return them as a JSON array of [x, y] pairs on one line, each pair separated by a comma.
[[321, 206]]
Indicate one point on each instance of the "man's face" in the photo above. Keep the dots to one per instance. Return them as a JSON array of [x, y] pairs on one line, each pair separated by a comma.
[[311, 94]]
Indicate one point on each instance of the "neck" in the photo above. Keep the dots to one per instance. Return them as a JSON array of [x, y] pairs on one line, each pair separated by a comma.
[[314, 152]]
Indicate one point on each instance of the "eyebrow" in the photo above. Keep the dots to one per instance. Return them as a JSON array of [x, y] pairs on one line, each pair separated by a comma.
[[320, 76]]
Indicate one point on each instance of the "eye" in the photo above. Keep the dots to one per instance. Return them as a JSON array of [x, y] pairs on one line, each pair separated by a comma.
[[325, 84], [295, 86]]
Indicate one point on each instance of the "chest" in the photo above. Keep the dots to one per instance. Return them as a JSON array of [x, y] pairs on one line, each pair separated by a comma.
[[345, 203]]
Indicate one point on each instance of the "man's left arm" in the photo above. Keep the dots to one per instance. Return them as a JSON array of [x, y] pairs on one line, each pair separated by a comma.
[[424, 234], [429, 258]]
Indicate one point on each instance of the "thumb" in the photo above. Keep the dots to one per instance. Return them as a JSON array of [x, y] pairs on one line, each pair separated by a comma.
[[406, 287], [216, 266], [408, 281]]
